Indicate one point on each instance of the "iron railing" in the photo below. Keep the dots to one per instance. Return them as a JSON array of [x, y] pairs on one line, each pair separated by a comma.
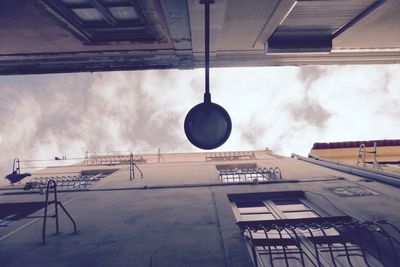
[[111, 159], [249, 174], [132, 167], [73, 182], [240, 155], [333, 241], [52, 184]]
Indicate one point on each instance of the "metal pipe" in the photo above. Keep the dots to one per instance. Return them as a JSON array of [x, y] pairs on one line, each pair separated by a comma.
[[393, 175], [207, 95], [370, 174]]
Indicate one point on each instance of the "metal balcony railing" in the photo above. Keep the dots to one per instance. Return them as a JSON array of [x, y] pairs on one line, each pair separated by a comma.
[[73, 182], [237, 175], [329, 241], [92, 158], [52, 185], [241, 155]]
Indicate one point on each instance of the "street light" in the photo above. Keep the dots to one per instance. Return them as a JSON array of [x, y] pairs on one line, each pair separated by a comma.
[[207, 125]]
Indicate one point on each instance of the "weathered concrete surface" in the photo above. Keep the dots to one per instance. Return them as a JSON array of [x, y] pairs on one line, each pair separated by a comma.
[[120, 228]]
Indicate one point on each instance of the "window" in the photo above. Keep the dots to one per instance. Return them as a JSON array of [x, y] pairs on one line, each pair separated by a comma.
[[272, 209], [291, 231], [254, 211], [104, 21], [247, 173]]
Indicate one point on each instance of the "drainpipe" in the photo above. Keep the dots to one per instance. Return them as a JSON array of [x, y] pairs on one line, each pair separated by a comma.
[[383, 177]]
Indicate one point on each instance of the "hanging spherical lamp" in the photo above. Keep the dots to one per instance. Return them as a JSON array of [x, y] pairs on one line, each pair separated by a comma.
[[207, 125]]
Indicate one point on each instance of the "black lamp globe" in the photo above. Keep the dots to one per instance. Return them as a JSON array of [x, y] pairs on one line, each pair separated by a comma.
[[208, 125]]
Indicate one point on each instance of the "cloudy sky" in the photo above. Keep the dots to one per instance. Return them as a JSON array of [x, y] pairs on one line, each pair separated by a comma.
[[284, 108]]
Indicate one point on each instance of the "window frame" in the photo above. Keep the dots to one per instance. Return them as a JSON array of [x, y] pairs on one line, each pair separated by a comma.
[[268, 198], [111, 29], [274, 210]]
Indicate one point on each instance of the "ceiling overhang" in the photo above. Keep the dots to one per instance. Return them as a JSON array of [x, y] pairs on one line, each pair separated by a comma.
[[311, 25]]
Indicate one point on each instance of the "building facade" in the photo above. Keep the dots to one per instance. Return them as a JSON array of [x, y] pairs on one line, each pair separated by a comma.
[[249, 208], [232, 209]]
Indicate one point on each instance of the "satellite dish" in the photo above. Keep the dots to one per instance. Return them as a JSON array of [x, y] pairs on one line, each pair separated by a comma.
[[207, 125]]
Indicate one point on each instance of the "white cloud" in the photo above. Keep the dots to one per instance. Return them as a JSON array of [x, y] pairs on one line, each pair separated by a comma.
[[284, 108]]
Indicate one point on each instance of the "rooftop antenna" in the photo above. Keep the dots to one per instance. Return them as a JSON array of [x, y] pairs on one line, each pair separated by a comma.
[[207, 125]]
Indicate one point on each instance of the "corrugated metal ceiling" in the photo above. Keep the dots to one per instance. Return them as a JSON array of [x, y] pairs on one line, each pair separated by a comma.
[[323, 16]]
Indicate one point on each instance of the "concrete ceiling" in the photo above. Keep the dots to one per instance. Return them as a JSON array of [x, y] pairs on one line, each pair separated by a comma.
[[380, 29], [33, 40]]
